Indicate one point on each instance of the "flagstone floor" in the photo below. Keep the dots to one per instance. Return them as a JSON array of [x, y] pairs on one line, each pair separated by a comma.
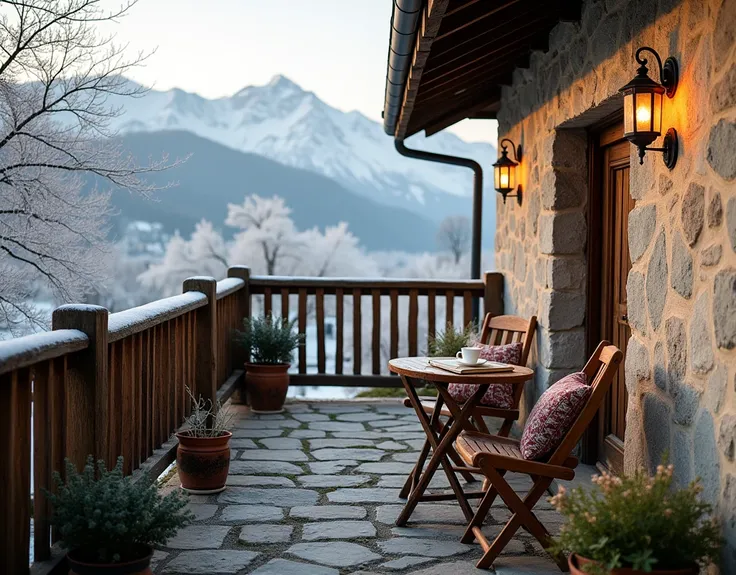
[[315, 492]]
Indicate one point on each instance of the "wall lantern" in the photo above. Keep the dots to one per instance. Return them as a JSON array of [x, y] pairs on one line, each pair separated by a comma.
[[504, 172], [643, 107]]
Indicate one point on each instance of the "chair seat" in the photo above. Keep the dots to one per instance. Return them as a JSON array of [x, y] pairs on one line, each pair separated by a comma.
[[428, 406], [471, 446]]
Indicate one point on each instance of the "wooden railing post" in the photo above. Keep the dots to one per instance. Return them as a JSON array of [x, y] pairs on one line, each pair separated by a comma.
[[88, 392], [239, 354], [493, 295], [205, 340]]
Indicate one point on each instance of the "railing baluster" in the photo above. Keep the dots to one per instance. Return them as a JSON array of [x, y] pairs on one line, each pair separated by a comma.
[[431, 319], [394, 323], [43, 383], [303, 329], [449, 308], [267, 301], [467, 308], [320, 297], [338, 331], [15, 436], [376, 347], [116, 400], [285, 303], [357, 359], [58, 438], [413, 317]]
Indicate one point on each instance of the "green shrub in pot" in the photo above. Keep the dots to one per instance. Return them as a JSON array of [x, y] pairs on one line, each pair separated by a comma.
[[106, 519], [270, 342]]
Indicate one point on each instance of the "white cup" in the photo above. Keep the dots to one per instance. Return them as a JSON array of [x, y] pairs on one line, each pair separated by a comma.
[[468, 355]]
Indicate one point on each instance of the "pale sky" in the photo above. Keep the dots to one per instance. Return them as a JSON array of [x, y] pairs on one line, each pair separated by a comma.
[[335, 48]]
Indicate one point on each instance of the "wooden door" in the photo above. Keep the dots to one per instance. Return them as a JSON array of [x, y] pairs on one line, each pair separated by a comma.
[[615, 205]]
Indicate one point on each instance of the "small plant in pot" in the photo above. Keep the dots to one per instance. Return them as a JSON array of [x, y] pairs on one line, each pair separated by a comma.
[[203, 454], [270, 341], [637, 524], [110, 523], [448, 342]]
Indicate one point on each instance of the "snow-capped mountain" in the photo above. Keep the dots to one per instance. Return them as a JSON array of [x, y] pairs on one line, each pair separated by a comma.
[[285, 123]]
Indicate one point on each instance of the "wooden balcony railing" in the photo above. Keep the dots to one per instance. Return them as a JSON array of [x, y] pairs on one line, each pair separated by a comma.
[[114, 384]]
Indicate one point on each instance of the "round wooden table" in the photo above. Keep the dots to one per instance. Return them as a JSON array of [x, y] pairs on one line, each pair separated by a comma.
[[413, 372]]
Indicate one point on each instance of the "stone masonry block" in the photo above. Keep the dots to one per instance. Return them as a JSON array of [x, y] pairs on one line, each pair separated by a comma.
[[562, 233], [562, 349], [566, 273], [562, 310]]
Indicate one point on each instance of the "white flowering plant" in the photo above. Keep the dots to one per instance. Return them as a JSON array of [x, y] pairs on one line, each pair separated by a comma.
[[637, 521]]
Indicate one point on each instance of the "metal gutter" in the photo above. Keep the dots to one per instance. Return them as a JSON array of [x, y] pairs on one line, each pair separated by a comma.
[[404, 25], [477, 199]]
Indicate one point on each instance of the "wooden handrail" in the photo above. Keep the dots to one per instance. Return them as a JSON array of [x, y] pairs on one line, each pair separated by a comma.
[[259, 284], [229, 286], [125, 323], [39, 347]]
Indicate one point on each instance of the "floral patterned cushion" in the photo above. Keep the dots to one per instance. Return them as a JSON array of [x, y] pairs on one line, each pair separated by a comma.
[[553, 415], [498, 395]]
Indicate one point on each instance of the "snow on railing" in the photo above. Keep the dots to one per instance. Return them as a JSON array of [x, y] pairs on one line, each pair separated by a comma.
[[228, 286], [39, 347], [125, 323]]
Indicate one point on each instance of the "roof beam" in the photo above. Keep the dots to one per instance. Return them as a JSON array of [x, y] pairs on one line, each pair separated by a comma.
[[428, 30], [463, 111]]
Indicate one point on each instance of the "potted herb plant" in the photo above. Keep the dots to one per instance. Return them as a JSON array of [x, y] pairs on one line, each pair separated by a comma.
[[447, 343], [636, 524], [203, 454], [110, 523], [270, 341]]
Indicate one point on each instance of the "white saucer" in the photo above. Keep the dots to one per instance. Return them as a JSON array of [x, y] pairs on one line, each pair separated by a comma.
[[480, 362]]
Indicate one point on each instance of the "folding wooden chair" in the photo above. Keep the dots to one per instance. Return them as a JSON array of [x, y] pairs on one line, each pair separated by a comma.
[[497, 330], [494, 456]]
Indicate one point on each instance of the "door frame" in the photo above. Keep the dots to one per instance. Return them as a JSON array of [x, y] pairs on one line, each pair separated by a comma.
[[599, 135]]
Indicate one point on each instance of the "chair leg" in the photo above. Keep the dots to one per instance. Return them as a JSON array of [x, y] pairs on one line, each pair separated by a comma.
[[506, 428], [480, 513], [523, 516]]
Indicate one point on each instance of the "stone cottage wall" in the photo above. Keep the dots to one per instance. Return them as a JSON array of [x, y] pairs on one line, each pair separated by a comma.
[[681, 360]]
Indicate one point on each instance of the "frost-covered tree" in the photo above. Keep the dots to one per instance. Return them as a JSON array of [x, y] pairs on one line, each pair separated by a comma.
[[204, 253], [454, 236], [267, 232], [56, 74], [336, 252]]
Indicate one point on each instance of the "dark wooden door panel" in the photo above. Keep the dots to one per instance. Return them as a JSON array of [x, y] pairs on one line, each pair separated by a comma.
[[615, 263]]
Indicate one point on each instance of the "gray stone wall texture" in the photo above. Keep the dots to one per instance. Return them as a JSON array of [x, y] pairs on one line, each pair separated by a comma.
[[681, 361]]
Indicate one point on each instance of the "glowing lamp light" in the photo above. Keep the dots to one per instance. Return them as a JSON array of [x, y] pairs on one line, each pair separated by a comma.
[[643, 107], [505, 172]]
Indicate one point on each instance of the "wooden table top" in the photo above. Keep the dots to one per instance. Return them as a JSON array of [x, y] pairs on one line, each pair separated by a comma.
[[419, 367]]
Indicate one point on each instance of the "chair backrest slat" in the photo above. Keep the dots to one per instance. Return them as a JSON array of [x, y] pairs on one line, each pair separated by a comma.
[[600, 370], [505, 329]]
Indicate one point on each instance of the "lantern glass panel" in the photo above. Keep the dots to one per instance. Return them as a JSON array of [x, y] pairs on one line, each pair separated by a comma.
[[497, 177], [629, 113], [644, 112], [657, 125]]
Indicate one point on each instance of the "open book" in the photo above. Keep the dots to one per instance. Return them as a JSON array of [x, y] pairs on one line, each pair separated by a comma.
[[455, 366]]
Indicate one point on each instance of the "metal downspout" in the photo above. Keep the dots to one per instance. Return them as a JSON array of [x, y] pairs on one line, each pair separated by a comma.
[[477, 201]]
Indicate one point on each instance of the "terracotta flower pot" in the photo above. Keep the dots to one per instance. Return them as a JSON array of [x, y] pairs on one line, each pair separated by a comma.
[[577, 564], [266, 386], [203, 462], [79, 566]]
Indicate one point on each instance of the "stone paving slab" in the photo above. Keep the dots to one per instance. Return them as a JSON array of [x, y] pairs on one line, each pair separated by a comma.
[[334, 553], [285, 567], [314, 491], [338, 530], [223, 561], [291, 455], [328, 512]]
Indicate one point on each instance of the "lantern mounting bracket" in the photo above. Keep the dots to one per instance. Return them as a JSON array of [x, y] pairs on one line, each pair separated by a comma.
[[517, 158], [668, 149], [669, 73]]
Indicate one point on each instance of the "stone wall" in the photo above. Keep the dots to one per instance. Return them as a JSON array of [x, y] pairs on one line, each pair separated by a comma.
[[681, 359]]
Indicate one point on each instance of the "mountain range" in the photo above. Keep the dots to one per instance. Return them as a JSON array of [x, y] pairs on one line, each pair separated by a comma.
[[286, 124]]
